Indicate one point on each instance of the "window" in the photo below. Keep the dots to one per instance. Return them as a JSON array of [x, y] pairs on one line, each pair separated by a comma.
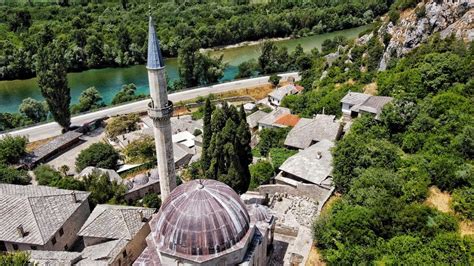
[[61, 232], [66, 247], [53, 240], [15, 247], [34, 247], [124, 253]]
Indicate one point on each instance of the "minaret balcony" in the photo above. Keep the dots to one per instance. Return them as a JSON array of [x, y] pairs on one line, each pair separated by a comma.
[[162, 113]]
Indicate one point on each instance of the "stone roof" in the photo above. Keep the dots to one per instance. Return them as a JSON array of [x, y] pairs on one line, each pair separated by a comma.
[[308, 131], [51, 147], [40, 210], [281, 92], [180, 151], [271, 117], [115, 221], [113, 176], [373, 105], [253, 118], [354, 98], [199, 219], [102, 253], [54, 258], [154, 59], [307, 166]]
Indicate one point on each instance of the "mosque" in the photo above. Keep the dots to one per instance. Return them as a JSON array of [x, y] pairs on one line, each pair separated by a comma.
[[201, 222]]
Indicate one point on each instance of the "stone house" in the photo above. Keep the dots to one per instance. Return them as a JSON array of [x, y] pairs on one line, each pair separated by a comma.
[[355, 103], [40, 217], [276, 96], [279, 118], [115, 234]]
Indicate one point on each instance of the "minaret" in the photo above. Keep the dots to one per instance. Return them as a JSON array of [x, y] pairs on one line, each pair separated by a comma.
[[160, 110]]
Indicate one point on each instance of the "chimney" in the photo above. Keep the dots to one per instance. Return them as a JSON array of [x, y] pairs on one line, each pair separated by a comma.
[[74, 197], [319, 155], [20, 230], [142, 217]]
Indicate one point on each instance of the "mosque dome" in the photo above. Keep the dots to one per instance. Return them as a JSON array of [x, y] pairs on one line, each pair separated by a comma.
[[154, 174], [128, 184], [140, 179], [200, 217], [259, 213]]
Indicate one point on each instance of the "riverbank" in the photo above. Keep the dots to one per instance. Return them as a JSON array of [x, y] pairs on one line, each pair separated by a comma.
[[242, 44]]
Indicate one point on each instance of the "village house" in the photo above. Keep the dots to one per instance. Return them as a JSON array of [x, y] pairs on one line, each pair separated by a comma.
[[355, 103], [117, 232], [276, 96], [281, 117], [40, 217], [310, 131], [253, 118]]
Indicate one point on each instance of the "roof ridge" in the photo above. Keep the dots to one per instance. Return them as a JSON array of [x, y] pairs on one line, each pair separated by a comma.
[[36, 220], [125, 222]]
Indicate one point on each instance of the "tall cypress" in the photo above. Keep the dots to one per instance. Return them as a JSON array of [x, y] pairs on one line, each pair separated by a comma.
[[207, 135], [52, 80]]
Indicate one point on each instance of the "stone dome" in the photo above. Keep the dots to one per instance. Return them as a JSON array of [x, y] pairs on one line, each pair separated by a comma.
[[259, 213], [200, 217], [140, 179], [128, 184], [154, 174]]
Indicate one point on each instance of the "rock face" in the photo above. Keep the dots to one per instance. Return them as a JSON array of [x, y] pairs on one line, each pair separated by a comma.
[[444, 16]]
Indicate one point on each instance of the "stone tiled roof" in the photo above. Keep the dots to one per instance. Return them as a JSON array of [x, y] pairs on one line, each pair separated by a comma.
[[103, 253], [115, 221], [113, 176], [54, 258], [308, 131], [253, 118], [281, 92], [354, 98], [373, 105], [307, 166], [40, 210], [271, 117]]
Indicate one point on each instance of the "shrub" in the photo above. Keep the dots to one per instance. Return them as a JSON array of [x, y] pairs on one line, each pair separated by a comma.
[[463, 202], [279, 156], [141, 150], [10, 175], [151, 200], [260, 173], [46, 175], [99, 155], [12, 149], [122, 124]]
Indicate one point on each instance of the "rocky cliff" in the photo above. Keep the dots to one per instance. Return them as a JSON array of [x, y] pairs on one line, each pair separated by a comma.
[[416, 25]]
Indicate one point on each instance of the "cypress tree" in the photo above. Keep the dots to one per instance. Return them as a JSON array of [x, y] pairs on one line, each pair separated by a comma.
[[52, 80], [207, 135]]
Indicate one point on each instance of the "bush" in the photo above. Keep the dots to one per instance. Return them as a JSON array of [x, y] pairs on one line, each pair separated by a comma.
[[122, 124], [99, 155], [151, 200], [141, 150], [197, 132], [463, 202], [12, 149], [274, 79], [10, 175], [393, 16], [260, 173], [46, 175], [279, 156], [272, 138]]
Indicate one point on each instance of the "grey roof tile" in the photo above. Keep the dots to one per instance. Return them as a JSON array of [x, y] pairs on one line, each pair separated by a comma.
[[308, 131]]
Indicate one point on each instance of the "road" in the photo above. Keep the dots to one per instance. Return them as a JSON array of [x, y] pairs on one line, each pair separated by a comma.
[[52, 129]]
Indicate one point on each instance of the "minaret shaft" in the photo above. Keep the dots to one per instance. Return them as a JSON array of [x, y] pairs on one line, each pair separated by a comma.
[[160, 111]]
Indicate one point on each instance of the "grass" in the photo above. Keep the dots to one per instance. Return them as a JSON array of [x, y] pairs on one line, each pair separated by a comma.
[[31, 146]]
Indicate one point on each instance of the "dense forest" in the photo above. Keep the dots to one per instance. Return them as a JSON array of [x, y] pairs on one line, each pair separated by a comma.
[[384, 168], [102, 33]]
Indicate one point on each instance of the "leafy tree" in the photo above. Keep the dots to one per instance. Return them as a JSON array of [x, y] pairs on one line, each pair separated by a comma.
[[271, 138], [122, 124], [274, 80], [12, 149], [35, 110], [52, 80], [15, 259], [102, 189], [279, 155], [10, 175], [247, 69], [151, 200], [260, 173], [90, 99], [272, 58], [463, 202], [207, 135], [46, 175], [99, 155], [141, 150], [126, 94], [10, 121]]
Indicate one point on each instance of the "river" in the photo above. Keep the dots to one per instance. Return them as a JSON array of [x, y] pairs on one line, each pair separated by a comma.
[[108, 81]]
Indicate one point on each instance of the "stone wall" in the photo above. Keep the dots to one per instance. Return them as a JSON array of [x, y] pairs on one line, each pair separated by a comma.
[[134, 248]]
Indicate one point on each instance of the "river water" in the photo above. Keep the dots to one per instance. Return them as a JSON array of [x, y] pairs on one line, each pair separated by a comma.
[[108, 81]]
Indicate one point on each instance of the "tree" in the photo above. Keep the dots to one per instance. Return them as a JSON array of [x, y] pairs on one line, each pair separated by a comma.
[[271, 138], [274, 79], [35, 110], [52, 80], [12, 149], [10, 175], [99, 155], [47, 175], [151, 200], [463, 202], [246, 69], [90, 99], [261, 172], [122, 124], [15, 259], [141, 150], [126, 94], [207, 135], [102, 189]]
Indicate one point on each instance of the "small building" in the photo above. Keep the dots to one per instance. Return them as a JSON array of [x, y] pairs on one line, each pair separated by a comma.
[[115, 234], [355, 103], [252, 119], [112, 174], [185, 138], [40, 217], [142, 184], [270, 120], [310, 131], [248, 107], [55, 147], [178, 124], [276, 96]]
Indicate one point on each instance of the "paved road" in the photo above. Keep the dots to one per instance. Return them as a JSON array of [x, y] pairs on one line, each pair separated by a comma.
[[53, 129]]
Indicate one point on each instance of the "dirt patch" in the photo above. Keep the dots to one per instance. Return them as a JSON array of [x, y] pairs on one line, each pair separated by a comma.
[[439, 200], [466, 227], [330, 202], [258, 92], [314, 258], [370, 88], [31, 146]]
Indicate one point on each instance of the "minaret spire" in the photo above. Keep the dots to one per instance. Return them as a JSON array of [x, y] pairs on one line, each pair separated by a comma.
[[160, 111], [154, 59]]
